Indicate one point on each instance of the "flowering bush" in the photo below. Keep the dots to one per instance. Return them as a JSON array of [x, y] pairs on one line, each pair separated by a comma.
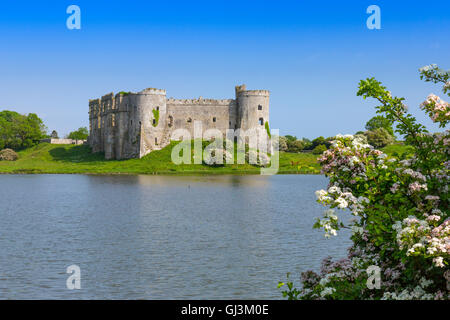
[[401, 217]]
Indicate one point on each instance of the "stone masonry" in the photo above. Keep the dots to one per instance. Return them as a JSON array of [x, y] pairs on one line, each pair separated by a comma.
[[131, 125]]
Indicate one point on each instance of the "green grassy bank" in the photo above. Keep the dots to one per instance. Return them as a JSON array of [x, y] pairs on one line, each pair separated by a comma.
[[48, 158]]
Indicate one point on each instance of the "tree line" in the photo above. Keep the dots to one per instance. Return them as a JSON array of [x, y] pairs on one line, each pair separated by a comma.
[[21, 131], [379, 133]]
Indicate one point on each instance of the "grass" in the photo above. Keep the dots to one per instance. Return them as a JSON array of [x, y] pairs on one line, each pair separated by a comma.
[[50, 158], [399, 150]]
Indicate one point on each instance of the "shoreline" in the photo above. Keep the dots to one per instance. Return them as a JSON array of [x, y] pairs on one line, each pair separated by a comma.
[[164, 173], [46, 158]]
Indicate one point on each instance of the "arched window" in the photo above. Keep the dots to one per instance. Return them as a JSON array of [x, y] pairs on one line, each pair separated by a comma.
[[170, 121], [261, 121], [156, 140], [259, 107], [214, 119]]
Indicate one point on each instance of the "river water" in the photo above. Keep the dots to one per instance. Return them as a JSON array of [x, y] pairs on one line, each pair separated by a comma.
[[159, 237]]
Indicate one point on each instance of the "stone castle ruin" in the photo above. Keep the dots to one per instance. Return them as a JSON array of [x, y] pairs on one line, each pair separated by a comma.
[[131, 125]]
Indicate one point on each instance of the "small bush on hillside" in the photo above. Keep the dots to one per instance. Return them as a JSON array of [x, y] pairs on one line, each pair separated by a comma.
[[8, 155], [379, 137], [319, 149]]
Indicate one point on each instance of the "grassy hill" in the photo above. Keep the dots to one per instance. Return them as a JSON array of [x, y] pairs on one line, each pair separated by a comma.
[[48, 158]]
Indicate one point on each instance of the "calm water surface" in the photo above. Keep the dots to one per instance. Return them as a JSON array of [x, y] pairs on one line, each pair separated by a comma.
[[158, 237]]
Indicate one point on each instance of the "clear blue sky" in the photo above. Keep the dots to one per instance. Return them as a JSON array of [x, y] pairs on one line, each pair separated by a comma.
[[309, 54]]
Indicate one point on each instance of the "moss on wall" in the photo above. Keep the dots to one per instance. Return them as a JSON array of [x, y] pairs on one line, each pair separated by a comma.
[[266, 125], [156, 117]]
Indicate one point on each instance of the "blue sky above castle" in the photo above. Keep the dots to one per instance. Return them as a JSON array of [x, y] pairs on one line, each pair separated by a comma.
[[310, 55]]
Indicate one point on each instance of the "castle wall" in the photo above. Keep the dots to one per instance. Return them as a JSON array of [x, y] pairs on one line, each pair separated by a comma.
[[125, 126], [217, 114]]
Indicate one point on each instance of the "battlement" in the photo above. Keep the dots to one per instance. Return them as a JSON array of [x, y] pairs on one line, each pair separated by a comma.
[[153, 91], [108, 96], [200, 101], [94, 101], [253, 92]]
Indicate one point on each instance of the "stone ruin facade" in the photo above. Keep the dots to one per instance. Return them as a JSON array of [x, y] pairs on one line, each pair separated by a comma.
[[131, 125]]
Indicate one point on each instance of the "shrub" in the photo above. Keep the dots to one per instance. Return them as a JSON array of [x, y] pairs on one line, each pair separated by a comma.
[[212, 157], [295, 146], [290, 138], [403, 223], [361, 137], [8, 155], [379, 137], [380, 122], [319, 141], [256, 158], [282, 144], [319, 149]]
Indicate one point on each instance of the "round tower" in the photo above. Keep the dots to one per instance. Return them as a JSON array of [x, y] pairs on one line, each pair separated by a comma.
[[151, 118], [252, 108]]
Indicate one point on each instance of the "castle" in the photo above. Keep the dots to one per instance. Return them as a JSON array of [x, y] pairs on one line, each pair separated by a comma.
[[131, 125]]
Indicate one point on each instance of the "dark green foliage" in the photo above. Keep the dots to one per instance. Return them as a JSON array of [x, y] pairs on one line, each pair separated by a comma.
[[320, 141], [19, 131], [319, 149], [290, 138], [54, 135], [380, 122]]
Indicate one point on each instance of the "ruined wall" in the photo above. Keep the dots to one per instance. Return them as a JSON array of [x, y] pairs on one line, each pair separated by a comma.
[[94, 139], [125, 126], [217, 114]]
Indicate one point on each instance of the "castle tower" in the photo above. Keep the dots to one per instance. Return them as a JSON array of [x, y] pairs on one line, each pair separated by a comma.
[[252, 107], [107, 128], [151, 114], [252, 110]]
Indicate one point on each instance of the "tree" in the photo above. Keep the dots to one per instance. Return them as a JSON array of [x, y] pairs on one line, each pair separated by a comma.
[[282, 144], [317, 142], [403, 224], [295, 146], [80, 134], [290, 138], [379, 137], [380, 122], [361, 137], [20, 131], [54, 135], [321, 148]]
